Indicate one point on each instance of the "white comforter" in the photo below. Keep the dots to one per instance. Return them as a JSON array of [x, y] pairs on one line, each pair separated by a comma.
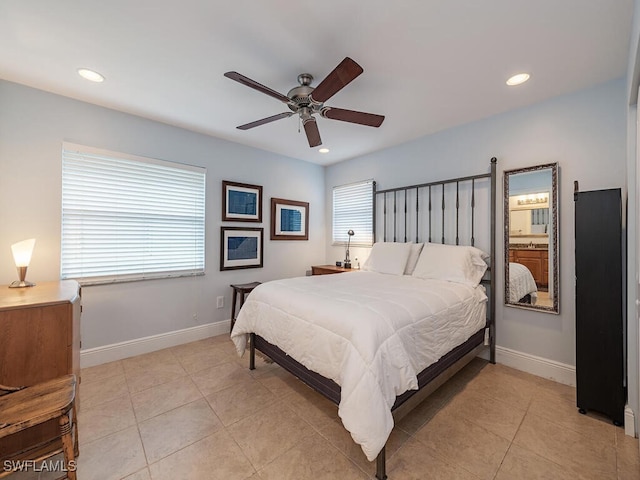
[[521, 283], [369, 332]]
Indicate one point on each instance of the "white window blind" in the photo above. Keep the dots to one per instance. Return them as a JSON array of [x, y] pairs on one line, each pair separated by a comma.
[[130, 218], [353, 210]]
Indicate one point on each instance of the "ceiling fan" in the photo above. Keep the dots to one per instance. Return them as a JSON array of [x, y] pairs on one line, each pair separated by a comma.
[[306, 100]]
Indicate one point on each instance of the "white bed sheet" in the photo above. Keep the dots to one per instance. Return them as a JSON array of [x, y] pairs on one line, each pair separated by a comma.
[[369, 332], [521, 283]]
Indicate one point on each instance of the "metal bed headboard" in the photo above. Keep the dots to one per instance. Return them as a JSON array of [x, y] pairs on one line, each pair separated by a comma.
[[404, 220]]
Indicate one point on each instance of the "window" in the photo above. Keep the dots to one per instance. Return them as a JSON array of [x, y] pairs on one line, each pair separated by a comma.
[[129, 218], [353, 210]]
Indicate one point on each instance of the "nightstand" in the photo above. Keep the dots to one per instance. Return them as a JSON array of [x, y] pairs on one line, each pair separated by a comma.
[[328, 269], [243, 289]]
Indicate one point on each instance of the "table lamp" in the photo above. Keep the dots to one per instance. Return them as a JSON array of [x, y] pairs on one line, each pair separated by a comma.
[[22, 256], [347, 260]]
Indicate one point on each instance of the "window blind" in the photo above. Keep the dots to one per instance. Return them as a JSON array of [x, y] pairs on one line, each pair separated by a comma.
[[353, 210], [130, 218]]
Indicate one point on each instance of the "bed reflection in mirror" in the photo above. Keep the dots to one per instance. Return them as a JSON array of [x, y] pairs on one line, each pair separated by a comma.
[[531, 238]]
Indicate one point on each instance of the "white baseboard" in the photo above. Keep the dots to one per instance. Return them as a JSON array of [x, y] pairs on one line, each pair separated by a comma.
[[629, 422], [117, 351], [542, 367]]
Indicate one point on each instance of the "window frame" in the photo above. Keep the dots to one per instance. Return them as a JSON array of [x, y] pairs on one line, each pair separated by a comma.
[[361, 194], [119, 223]]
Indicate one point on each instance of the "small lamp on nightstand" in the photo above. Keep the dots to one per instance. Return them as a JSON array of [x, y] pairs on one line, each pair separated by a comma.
[[22, 257], [347, 260]]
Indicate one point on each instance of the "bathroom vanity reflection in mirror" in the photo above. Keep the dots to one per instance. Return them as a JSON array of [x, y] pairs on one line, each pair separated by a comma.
[[531, 238]]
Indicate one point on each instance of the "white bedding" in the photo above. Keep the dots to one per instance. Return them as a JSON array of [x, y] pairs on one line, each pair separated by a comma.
[[369, 332], [521, 283]]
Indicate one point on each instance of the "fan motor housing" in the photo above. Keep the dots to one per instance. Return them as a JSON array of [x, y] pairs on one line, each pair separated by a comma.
[[300, 95]]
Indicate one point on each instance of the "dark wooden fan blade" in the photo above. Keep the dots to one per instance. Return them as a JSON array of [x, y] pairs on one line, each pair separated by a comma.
[[351, 116], [313, 134], [339, 78], [257, 123], [256, 86]]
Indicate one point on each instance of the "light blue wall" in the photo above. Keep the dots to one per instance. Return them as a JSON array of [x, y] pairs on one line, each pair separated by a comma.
[[33, 125], [584, 132]]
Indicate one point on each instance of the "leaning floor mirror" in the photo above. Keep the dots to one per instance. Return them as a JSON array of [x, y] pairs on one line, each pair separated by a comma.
[[531, 238]]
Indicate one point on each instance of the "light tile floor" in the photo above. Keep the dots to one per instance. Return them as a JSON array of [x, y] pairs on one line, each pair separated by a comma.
[[544, 299], [196, 412]]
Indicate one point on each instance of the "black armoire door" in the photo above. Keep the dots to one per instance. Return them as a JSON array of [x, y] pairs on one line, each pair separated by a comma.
[[599, 315]]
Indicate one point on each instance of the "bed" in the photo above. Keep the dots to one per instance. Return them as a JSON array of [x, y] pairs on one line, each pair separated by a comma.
[[522, 285], [377, 342]]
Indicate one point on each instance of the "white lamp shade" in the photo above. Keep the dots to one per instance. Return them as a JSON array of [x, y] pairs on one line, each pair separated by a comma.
[[22, 252]]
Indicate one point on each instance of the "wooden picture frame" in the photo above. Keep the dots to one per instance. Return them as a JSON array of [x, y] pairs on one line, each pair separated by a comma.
[[241, 248], [241, 202], [289, 219]]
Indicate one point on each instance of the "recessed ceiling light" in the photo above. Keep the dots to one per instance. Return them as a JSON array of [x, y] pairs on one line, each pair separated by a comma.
[[324, 150], [518, 79], [90, 75]]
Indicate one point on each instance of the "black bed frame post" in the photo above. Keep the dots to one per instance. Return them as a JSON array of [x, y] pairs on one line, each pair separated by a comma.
[[381, 466], [252, 351], [443, 215], [395, 223], [473, 206], [457, 212], [373, 209], [417, 214], [429, 213], [405, 216], [492, 296]]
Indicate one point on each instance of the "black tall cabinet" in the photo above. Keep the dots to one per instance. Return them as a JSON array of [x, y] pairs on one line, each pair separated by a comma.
[[600, 369]]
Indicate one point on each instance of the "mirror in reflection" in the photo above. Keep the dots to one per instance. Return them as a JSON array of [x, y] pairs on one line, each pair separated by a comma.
[[531, 238]]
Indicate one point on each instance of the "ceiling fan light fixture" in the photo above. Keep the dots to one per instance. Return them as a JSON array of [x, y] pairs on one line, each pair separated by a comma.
[[305, 115], [518, 79], [90, 75]]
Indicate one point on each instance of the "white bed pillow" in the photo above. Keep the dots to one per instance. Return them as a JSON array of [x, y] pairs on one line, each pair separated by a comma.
[[388, 257], [454, 263], [414, 254], [481, 253]]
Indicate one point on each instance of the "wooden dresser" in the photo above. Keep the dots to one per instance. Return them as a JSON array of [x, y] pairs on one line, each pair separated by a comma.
[[39, 340]]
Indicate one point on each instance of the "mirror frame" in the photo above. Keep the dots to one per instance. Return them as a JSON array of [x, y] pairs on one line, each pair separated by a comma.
[[553, 242]]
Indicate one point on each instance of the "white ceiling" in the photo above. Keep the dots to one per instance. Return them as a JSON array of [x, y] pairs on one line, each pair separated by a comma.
[[428, 64]]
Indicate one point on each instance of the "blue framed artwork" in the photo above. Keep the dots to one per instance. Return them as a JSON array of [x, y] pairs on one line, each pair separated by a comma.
[[289, 220], [241, 202], [240, 248]]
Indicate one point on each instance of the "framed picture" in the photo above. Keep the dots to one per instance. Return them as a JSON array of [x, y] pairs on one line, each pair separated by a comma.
[[241, 202], [289, 220], [240, 248]]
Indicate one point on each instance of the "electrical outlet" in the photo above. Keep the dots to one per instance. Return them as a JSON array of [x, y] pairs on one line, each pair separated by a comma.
[[220, 302], [195, 316]]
